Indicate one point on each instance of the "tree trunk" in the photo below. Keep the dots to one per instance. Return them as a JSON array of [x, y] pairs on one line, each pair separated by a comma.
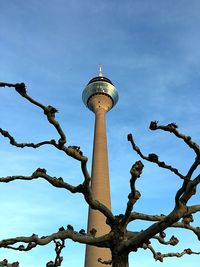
[[120, 260]]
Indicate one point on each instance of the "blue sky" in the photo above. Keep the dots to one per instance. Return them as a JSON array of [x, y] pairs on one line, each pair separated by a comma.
[[150, 51]]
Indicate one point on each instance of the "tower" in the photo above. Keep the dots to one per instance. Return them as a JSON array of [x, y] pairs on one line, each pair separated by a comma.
[[99, 96]]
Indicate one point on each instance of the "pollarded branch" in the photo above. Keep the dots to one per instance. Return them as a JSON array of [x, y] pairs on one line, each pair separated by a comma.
[[28, 247], [63, 234], [134, 195], [72, 151], [3, 84], [193, 209], [159, 226], [22, 145], [158, 256], [163, 222], [59, 245], [50, 113], [146, 217], [185, 224], [41, 173], [190, 189], [5, 263], [172, 128], [195, 230], [59, 182], [153, 158], [173, 241]]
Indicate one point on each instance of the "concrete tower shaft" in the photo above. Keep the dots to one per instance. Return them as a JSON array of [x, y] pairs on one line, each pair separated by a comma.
[[100, 104]]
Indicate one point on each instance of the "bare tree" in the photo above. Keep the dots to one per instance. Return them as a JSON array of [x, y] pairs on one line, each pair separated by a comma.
[[119, 240]]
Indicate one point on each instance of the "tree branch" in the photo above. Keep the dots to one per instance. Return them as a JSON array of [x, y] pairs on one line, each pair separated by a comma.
[[160, 257], [58, 249], [185, 224], [193, 209], [190, 189], [195, 230], [153, 158], [22, 145], [41, 173], [83, 188], [135, 171], [5, 263], [50, 112], [173, 241], [62, 234], [144, 236], [2, 84], [145, 217], [193, 168], [72, 151], [172, 128]]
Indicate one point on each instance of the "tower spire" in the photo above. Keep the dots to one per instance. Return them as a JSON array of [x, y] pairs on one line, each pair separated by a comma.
[[100, 70]]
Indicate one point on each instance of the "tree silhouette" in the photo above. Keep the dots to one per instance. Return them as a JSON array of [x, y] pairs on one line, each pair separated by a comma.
[[119, 240]]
